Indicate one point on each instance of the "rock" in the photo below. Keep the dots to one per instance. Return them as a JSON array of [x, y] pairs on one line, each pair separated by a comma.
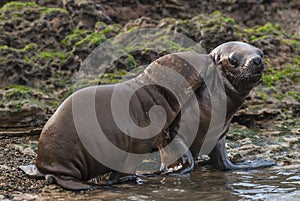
[[4, 167], [23, 106], [25, 196], [85, 14], [31, 51], [50, 3], [26, 23], [207, 30], [28, 151]]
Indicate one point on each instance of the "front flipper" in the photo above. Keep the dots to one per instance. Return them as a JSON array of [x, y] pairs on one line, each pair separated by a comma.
[[219, 160], [183, 164]]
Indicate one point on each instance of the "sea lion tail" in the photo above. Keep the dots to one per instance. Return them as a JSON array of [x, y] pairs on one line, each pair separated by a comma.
[[31, 171]]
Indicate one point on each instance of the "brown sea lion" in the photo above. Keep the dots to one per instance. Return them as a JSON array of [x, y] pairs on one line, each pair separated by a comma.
[[72, 148], [240, 67]]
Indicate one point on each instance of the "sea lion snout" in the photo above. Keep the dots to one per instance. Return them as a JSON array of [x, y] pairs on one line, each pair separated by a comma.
[[256, 65], [257, 61]]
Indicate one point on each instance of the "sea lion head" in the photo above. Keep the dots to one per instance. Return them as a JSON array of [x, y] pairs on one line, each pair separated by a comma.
[[241, 64]]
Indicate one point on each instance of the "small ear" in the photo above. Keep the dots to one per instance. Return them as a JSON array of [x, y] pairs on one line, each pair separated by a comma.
[[215, 57]]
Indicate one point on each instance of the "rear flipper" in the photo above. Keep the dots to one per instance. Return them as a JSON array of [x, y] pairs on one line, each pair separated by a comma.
[[172, 162], [219, 160], [68, 183]]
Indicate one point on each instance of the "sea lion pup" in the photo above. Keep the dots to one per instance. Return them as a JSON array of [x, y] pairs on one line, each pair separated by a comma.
[[240, 67], [90, 134]]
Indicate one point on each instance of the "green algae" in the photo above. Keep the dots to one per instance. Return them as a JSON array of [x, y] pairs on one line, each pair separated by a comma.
[[31, 55], [92, 39], [19, 6], [217, 16], [131, 62], [15, 5], [27, 48], [80, 38], [263, 32], [16, 96], [268, 28], [18, 10], [272, 76], [76, 36], [284, 76], [236, 133], [51, 55]]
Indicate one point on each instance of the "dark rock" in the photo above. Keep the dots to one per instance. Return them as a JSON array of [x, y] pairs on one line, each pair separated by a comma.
[[85, 14]]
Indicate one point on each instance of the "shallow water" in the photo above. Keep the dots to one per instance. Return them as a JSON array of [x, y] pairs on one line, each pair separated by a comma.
[[277, 183]]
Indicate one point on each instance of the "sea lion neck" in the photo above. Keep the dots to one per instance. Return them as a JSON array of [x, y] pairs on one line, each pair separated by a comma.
[[231, 90]]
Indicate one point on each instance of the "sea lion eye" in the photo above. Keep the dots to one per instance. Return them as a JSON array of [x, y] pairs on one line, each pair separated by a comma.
[[261, 53], [232, 61]]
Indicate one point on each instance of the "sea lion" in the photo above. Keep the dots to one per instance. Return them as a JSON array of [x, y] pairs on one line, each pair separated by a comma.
[[240, 66], [68, 142]]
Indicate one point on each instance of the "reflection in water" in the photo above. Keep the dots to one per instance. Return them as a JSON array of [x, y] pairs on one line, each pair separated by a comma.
[[270, 184], [277, 183], [206, 184]]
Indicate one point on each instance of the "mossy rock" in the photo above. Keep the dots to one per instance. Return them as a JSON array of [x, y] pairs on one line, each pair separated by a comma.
[[237, 132], [33, 67], [25, 23], [259, 31], [30, 50], [23, 106], [208, 30], [214, 29]]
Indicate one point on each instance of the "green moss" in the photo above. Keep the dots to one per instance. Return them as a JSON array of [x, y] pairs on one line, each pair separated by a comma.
[[16, 96], [263, 95], [294, 94], [59, 83], [272, 76], [92, 39], [217, 13], [229, 20], [46, 10], [76, 36], [29, 47], [268, 28], [275, 78], [20, 90], [51, 55], [131, 63], [217, 18], [15, 5], [237, 133], [262, 32], [16, 9]]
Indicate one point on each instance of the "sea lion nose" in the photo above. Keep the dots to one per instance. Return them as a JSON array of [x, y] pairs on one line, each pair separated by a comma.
[[257, 61]]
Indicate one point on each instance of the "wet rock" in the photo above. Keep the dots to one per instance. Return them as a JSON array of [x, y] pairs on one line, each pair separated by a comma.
[[25, 196]]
